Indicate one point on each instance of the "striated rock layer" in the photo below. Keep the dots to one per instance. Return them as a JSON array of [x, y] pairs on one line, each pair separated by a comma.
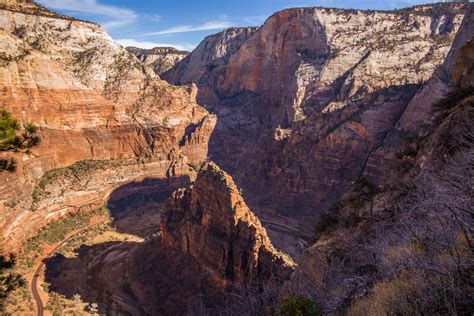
[[211, 222], [92, 100], [316, 98], [361, 262]]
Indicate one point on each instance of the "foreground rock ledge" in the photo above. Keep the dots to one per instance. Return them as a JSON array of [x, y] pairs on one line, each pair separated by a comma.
[[211, 222]]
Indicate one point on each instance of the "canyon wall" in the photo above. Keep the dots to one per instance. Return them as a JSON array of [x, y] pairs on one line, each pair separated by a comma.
[[362, 260], [91, 100], [317, 98]]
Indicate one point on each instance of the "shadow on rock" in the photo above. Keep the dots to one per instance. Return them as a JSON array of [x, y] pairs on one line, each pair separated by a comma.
[[97, 274], [135, 207]]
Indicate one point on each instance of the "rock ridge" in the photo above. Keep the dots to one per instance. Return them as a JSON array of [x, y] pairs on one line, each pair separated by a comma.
[[211, 222], [161, 59]]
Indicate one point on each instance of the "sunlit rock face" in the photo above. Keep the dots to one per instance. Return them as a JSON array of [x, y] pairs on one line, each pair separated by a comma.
[[92, 100], [161, 59], [435, 187], [316, 98]]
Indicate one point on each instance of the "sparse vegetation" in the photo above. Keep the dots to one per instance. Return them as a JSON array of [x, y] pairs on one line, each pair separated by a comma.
[[327, 219], [445, 106], [299, 305], [9, 138], [363, 191], [428, 239], [56, 303], [406, 157], [455, 115], [8, 164], [55, 232], [8, 129], [9, 280], [73, 174]]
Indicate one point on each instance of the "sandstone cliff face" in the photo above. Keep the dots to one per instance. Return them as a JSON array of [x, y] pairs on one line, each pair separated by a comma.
[[318, 98], [214, 51], [362, 262], [92, 100], [161, 59], [211, 222], [326, 55]]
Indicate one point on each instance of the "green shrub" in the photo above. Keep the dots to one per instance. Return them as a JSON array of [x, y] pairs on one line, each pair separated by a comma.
[[363, 191], [327, 219], [8, 128], [299, 305]]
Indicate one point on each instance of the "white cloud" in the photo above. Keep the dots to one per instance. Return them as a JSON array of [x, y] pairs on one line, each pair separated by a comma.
[[211, 25], [147, 45], [113, 16]]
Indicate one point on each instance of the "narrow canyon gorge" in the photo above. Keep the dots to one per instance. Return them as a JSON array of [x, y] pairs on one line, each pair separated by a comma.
[[324, 159]]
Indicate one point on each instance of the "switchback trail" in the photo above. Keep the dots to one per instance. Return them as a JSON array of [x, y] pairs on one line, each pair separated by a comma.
[[34, 280]]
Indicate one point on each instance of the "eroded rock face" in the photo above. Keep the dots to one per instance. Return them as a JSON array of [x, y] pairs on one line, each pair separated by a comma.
[[344, 85], [326, 55], [161, 59], [92, 100], [211, 222], [463, 76], [348, 259]]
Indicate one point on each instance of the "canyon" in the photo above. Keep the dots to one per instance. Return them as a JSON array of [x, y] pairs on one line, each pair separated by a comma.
[[85, 92], [327, 153], [318, 100]]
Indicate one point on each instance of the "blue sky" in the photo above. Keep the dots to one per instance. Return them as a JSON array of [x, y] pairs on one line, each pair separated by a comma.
[[184, 23]]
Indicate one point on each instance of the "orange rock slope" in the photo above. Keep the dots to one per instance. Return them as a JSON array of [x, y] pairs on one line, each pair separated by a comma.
[[92, 100]]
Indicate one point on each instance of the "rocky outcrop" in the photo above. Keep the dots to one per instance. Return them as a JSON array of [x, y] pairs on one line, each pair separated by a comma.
[[345, 86], [211, 222], [463, 75], [419, 109], [161, 59], [31, 7], [92, 100], [212, 52]]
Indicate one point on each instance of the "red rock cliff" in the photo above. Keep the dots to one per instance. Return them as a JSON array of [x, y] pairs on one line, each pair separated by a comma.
[[316, 98], [92, 100], [211, 222]]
